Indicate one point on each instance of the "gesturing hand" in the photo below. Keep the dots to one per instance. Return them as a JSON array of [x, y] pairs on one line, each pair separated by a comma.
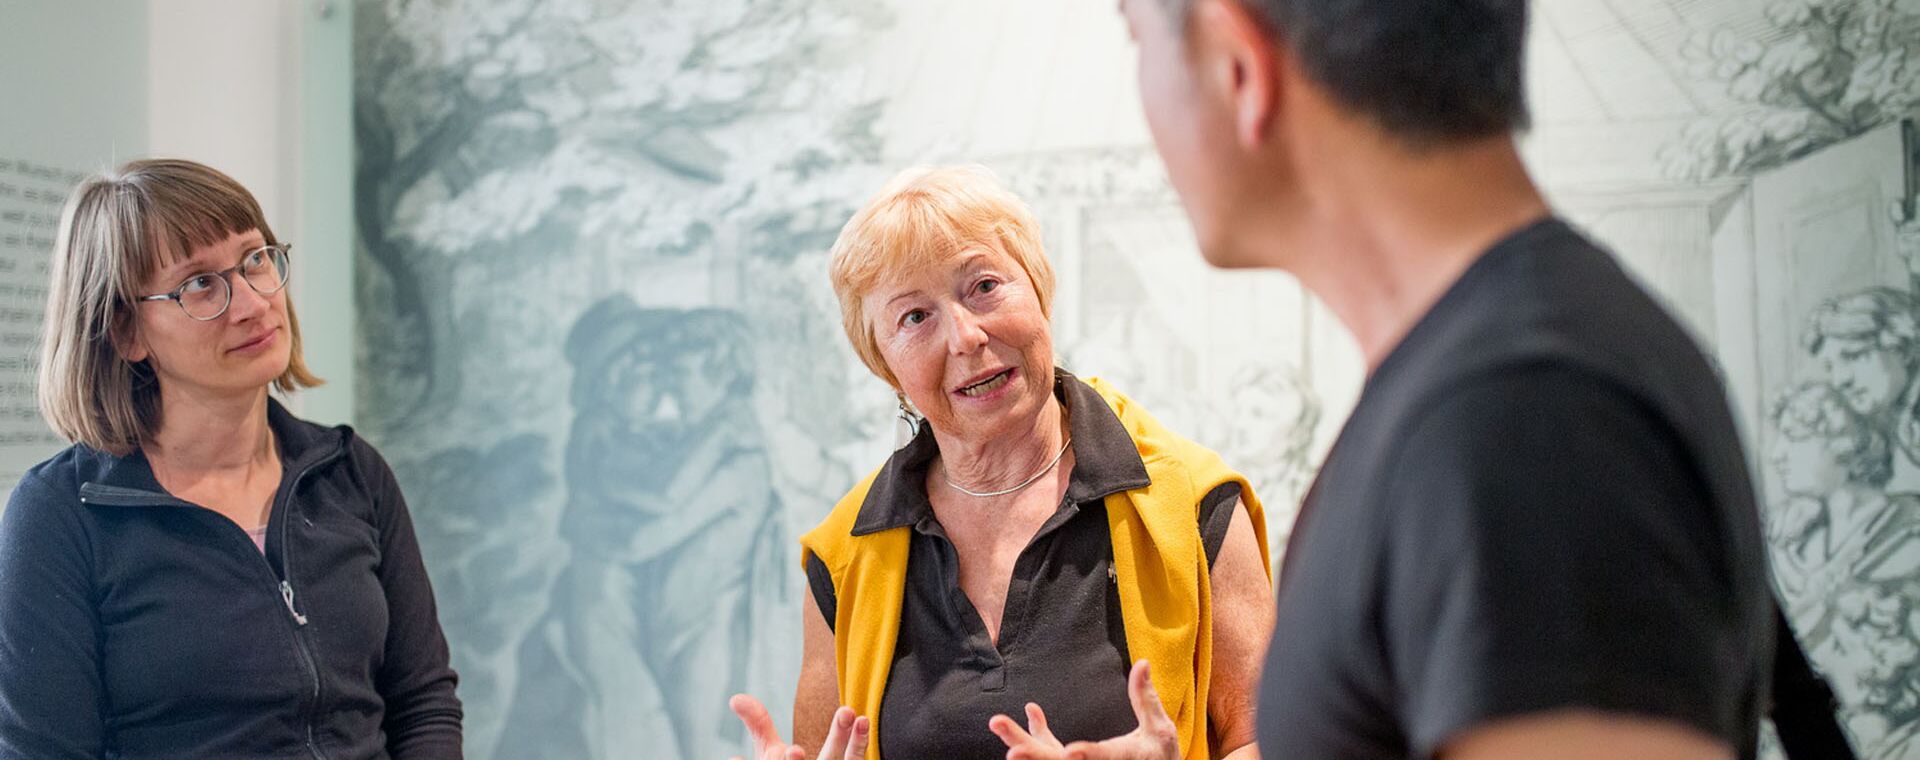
[[1035, 742], [846, 739], [1156, 738]]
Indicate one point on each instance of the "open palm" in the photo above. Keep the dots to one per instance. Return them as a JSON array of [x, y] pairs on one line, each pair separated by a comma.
[[846, 739], [1155, 738]]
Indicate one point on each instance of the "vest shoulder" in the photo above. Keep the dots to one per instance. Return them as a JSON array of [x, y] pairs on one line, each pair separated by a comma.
[[1164, 452], [830, 539]]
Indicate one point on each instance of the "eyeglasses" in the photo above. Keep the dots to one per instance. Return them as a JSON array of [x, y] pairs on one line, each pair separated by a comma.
[[206, 296]]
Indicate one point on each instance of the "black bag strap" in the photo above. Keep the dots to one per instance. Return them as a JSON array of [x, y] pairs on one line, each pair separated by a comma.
[[1804, 710]]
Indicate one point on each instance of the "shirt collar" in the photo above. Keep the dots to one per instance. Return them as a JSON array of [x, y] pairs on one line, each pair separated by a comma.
[[1106, 461]]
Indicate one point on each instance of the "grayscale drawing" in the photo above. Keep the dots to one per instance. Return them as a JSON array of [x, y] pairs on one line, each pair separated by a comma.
[[610, 519], [677, 543], [481, 511], [1845, 532], [1810, 73], [1846, 554], [1269, 417]]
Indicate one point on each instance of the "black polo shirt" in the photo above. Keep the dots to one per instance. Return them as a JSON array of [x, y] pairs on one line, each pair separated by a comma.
[[1062, 642]]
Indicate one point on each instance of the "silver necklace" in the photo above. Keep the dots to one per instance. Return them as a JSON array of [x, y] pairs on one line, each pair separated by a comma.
[[1023, 483]]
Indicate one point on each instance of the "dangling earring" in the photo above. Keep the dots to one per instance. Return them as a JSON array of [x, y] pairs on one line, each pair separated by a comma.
[[907, 424]]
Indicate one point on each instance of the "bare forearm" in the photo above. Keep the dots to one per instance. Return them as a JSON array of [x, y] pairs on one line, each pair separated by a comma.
[[812, 717]]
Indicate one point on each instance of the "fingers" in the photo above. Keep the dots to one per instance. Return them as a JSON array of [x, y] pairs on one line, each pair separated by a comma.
[[1146, 700], [759, 723], [857, 746], [793, 753], [1010, 733], [838, 734], [1035, 742], [1129, 747], [1037, 723], [1157, 735]]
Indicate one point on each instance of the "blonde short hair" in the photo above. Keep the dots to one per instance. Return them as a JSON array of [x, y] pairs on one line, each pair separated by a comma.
[[117, 230], [921, 217]]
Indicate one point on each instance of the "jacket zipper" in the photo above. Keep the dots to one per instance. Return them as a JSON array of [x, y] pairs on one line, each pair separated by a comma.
[[286, 593], [299, 620]]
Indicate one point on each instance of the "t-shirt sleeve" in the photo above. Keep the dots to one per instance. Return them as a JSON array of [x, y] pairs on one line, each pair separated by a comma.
[[821, 583], [1553, 547], [1216, 517]]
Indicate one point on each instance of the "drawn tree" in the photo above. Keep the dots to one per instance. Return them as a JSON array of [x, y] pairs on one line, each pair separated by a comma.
[[1823, 71], [527, 128]]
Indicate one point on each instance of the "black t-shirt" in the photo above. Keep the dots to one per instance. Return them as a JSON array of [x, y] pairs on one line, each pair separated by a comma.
[[1540, 503]]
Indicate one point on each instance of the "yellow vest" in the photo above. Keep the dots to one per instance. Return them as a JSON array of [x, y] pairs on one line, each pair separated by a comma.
[[1159, 564]]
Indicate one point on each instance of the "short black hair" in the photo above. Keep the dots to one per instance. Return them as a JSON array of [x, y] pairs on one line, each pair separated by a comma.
[[1430, 72]]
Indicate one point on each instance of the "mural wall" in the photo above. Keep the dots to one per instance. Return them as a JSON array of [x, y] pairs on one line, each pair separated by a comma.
[[599, 345]]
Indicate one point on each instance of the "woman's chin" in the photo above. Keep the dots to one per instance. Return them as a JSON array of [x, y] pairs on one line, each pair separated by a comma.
[[253, 375]]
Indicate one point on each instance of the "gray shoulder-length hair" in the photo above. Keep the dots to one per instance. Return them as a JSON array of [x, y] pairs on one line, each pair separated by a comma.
[[118, 228]]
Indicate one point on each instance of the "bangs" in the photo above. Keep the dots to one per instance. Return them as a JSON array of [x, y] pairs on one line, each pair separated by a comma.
[[199, 208], [911, 234]]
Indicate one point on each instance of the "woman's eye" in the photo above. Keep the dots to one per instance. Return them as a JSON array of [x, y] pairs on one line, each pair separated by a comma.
[[197, 284], [254, 260], [986, 286], [914, 317]]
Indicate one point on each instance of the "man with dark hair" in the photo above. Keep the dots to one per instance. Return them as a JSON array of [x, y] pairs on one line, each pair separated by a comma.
[[1536, 536]]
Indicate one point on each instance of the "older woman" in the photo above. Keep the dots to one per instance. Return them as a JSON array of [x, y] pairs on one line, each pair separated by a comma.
[[202, 574], [1041, 548]]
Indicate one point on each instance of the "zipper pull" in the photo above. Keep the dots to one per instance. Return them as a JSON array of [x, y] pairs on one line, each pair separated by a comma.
[[286, 593]]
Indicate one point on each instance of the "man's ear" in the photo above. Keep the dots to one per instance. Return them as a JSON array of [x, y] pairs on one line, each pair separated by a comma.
[[1239, 60], [125, 335]]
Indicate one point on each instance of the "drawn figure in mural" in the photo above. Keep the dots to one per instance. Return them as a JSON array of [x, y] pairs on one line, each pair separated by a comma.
[[928, 624], [676, 541], [1129, 340], [1837, 525], [478, 508], [1868, 343], [1877, 627], [1270, 418], [1847, 558]]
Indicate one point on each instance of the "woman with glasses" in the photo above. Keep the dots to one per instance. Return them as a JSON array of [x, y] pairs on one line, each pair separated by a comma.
[[202, 574]]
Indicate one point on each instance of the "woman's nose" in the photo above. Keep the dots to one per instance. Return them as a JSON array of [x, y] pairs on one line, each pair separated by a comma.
[[964, 335], [246, 301]]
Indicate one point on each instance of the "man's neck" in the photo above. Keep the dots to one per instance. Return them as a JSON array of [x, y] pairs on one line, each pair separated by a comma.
[[1388, 233]]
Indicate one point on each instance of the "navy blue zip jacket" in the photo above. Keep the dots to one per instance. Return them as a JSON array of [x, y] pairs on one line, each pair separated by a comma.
[[137, 625]]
